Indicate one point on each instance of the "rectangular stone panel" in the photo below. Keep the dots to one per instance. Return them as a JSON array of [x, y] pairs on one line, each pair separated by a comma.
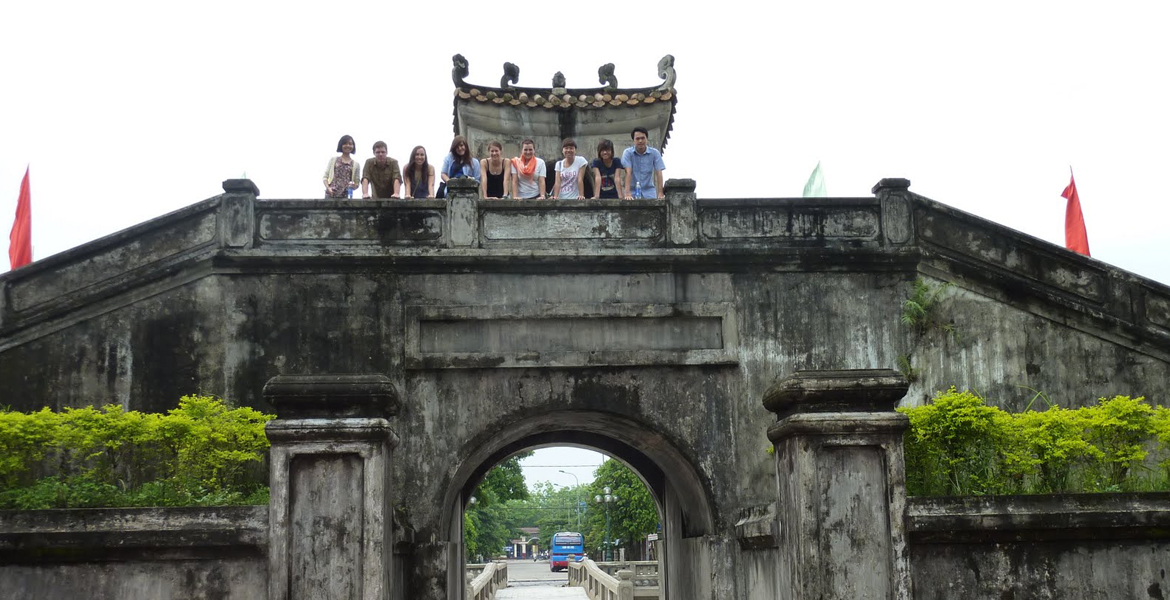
[[382, 225], [790, 222], [569, 335], [325, 527], [112, 263], [856, 552], [1158, 309], [549, 221], [1016, 255]]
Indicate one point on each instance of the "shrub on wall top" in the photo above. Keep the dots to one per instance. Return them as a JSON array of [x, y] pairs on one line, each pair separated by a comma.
[[958, 445], [201, 452]]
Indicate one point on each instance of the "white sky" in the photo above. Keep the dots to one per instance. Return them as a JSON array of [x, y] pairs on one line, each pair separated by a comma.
[[547, 464], [128, 110]]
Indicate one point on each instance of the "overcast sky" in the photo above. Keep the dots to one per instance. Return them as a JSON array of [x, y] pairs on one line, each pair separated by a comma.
[[128, 110]]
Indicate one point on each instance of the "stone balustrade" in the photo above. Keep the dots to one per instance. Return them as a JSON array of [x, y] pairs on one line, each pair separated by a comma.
[[600, 585], [645, 578], [484, 580]]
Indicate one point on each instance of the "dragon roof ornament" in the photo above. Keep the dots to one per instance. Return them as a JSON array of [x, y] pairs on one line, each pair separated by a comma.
[[558, 95]]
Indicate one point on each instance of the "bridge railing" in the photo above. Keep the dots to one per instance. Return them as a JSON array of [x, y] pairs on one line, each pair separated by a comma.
[[484, 580], [600, 585], [645, 578]]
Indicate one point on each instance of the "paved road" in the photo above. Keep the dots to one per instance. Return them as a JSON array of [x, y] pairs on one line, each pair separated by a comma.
[[541, 593], [533, 581], [526, 572]]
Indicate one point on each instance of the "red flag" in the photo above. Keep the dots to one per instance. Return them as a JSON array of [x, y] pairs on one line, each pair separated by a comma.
[[1075, 236], [20, 240]]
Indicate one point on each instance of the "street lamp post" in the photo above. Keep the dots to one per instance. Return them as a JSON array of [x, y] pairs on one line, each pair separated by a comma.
[[607, 499], [578, 489]]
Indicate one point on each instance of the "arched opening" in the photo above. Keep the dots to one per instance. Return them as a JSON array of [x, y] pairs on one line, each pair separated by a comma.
[[679, 493]]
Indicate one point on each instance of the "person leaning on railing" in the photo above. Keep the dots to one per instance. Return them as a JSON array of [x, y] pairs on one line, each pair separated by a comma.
[[419, 175], [382, 172]]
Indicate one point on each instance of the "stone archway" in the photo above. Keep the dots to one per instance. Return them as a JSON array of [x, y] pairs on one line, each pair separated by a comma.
[[679, 493]]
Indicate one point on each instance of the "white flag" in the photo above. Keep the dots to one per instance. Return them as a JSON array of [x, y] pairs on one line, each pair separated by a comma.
[[815, 188]]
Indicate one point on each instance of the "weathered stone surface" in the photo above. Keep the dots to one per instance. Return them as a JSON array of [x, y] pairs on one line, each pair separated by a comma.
[[138, 554], [840, 486], [844, 391], [330, 532], [656, 349], [681, 212], [565, 335], [332, 396], [1047, 547], [614, 223]]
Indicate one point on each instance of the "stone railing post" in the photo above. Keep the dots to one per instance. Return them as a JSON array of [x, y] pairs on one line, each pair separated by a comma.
[[897, 213], [329, 525], [237, 213], [625, 585], [682, 217], [462, 212], [841, 494]]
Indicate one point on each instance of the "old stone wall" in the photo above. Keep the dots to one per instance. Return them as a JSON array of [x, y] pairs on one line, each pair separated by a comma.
[[648, 329], [1043, 547], [135, 554]]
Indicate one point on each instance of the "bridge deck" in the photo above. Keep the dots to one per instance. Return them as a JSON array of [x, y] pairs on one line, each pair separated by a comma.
[[542, 592]]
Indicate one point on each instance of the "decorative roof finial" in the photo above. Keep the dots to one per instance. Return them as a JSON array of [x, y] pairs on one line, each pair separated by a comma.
[[666, 71], [605, 75], [558, 84], [511, 75], [460, 71]]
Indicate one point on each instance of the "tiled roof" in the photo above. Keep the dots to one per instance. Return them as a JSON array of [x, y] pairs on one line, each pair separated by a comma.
[[558, 97], [544, 98]]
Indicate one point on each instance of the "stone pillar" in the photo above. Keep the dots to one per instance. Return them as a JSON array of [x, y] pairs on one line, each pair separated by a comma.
[[237, 213], [463, 212], [682, 221], [625, 584], [841, 494], [897, 212], [329, 523]]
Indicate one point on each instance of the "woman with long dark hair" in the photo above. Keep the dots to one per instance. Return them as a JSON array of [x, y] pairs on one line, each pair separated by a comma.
[[418, 176], [459, 162]]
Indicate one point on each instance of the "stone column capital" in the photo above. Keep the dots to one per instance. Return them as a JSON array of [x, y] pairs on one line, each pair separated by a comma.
[[332, 396], [837, 391]]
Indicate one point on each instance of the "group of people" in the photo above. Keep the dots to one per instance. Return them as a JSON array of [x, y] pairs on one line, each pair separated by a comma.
[[637, 174]]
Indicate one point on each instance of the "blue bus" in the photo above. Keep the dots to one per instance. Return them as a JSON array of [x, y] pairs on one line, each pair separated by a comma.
[[567, 546]]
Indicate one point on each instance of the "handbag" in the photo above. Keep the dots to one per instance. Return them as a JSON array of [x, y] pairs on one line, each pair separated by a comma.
[[456, 171]]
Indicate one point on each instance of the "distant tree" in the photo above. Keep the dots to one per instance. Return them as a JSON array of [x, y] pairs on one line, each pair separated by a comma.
[[487, 524], [632, 517]]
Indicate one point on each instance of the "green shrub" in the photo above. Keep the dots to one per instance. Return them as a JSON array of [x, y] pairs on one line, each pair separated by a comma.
[[200, 453], [958, 445]]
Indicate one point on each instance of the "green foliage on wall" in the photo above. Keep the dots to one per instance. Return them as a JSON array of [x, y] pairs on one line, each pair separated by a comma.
[[922, 313], [200, 453], [958, 445]]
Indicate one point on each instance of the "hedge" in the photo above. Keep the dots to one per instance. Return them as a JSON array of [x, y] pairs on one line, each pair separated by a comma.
[[201, 453], [958, 445]]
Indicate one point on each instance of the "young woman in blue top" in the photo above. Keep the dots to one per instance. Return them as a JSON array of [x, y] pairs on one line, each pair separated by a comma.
[[459, 162]]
